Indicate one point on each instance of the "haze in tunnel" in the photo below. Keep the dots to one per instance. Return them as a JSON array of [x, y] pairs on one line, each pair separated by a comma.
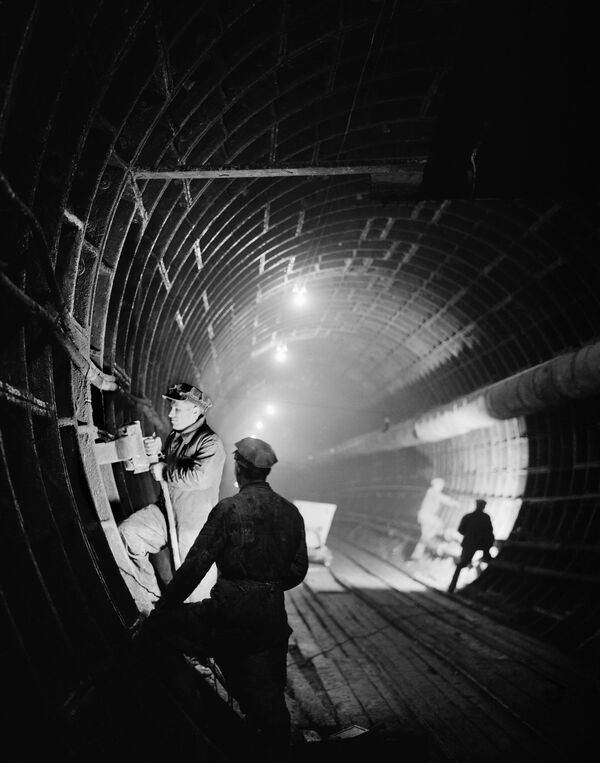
[[173, 176]]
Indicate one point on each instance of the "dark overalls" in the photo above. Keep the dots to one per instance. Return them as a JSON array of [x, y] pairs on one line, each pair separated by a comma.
[[257, 540]]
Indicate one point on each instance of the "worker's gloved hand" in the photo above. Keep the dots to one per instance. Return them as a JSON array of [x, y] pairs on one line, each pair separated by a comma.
[[152, 446], [158, 470]]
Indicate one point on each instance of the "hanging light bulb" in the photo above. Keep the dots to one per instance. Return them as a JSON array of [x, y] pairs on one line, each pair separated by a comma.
[[281, 353], [299, 295]]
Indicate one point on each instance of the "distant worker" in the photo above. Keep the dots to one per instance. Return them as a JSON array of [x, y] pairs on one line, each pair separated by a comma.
[[429, 517], [191, 466], [257, 539], [478, 535]]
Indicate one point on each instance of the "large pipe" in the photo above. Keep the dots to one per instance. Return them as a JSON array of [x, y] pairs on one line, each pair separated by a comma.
[[569, 376]]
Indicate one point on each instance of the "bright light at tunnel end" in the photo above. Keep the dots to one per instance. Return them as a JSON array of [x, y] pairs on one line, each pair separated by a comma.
[[281, 353], [299, 295]]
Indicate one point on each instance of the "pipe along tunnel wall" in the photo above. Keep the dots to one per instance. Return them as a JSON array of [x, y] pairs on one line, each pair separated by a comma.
[[115, 284]]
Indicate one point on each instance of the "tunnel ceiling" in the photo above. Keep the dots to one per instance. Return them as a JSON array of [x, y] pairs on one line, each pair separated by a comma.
[[437, 251]]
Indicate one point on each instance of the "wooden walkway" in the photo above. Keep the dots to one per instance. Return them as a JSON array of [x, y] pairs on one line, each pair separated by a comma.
[[373, 647]]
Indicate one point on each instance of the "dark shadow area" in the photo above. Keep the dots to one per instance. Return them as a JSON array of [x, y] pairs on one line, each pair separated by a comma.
[[145, 706], [395, 746], [518, 115]]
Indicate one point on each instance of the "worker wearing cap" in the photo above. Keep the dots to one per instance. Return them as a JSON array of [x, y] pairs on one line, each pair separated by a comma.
[[191, 465], [257, 539]]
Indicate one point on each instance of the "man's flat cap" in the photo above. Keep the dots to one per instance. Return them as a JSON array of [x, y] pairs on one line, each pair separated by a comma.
[[255, 452], [185, 391]]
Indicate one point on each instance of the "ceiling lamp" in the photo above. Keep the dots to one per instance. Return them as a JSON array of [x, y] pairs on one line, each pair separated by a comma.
[[299, 296], [281, 353]]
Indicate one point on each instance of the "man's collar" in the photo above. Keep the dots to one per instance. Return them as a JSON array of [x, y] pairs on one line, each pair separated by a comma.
[[186, 433], [255, 483]]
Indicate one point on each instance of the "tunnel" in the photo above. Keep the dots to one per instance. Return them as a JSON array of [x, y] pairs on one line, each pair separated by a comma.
[[368, 229]]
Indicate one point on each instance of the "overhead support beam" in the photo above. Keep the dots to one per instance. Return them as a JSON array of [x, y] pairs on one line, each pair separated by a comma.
[[410, 173], [574, 375]]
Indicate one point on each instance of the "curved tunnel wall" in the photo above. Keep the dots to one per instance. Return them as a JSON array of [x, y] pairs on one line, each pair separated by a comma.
[[415, 298]]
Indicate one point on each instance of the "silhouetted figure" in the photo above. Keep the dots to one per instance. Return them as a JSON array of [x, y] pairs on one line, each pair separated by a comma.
[[258, 541], [430, 521], [386, 424], [478, 535]]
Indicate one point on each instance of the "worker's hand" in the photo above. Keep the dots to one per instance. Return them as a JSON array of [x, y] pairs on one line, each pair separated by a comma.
[[152, 446], [158, 470]]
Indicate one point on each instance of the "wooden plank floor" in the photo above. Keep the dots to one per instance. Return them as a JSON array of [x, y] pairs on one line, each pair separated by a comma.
[[373, 647]]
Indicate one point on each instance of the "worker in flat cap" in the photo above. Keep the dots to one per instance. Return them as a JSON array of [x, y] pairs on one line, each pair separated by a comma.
[[257, 540], [190, 467]]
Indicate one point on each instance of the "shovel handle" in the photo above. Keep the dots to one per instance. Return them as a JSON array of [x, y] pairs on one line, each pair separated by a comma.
[[172, 531]]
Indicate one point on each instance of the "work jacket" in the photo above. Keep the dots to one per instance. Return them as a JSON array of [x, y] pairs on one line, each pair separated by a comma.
[[476, 527], [194, 461], [257, 540]]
